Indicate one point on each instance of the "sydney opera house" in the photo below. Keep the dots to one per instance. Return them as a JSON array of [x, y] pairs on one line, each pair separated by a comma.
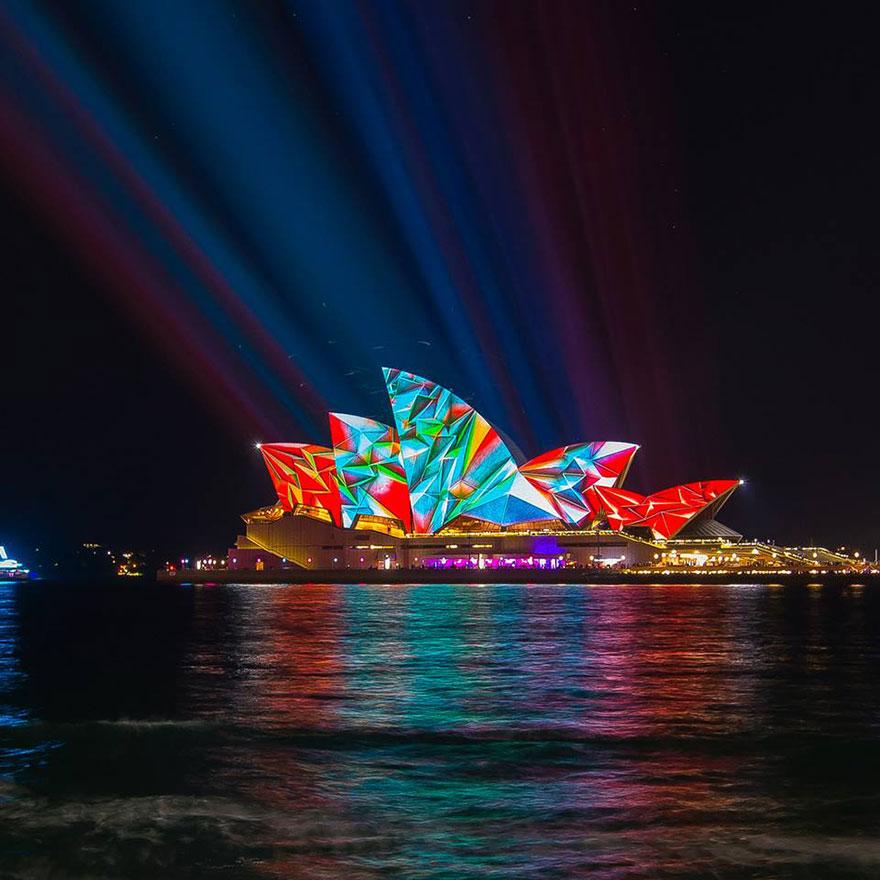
[[441, 488]]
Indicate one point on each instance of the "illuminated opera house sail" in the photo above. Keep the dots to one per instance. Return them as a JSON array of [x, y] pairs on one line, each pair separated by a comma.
[[385, 494]]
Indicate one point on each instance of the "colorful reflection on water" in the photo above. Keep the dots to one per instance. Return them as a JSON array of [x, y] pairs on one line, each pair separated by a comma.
[[439, 731]]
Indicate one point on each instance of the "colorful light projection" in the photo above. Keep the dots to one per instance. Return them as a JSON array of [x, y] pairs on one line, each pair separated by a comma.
[[303, 474], [445, 460], [455, 461], [666, 512], [369, 470], [565, 474]]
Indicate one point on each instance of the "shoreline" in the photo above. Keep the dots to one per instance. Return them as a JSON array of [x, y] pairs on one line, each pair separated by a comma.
[[507, 576]]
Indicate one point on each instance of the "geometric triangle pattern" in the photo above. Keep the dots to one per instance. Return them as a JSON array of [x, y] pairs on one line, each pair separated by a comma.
[[666, 512], [455, 462], [303, 474], [565, 474], [618, 507], [369, 470], [517, 502]]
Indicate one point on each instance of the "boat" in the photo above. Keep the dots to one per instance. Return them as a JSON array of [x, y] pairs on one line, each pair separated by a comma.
[[11, 569]]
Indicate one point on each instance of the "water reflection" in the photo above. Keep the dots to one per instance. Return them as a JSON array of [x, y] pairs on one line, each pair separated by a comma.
[[9, 670], [445, 731]]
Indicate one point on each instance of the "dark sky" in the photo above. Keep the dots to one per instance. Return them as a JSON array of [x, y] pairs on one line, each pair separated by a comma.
[[768, 119], [779, 149]]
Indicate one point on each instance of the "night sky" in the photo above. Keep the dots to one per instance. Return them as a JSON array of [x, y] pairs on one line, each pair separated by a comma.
[[594, 221]]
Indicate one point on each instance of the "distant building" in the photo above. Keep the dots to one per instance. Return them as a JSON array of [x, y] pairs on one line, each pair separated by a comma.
[[440, 488]]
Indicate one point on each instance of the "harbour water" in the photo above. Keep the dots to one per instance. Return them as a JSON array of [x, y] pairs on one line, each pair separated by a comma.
[[722, 731]]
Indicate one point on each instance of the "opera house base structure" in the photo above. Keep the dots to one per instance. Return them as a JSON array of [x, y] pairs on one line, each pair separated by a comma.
[[305, 542], [294, 543]]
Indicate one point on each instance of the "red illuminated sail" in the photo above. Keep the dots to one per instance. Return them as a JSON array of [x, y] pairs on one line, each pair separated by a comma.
[[303, 474], [666, 512]]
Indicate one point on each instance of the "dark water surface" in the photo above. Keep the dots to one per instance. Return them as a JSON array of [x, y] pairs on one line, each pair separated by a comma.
[[439, 731]]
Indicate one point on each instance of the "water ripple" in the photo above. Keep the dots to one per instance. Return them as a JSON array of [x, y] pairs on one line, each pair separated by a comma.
[[439, 732]]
